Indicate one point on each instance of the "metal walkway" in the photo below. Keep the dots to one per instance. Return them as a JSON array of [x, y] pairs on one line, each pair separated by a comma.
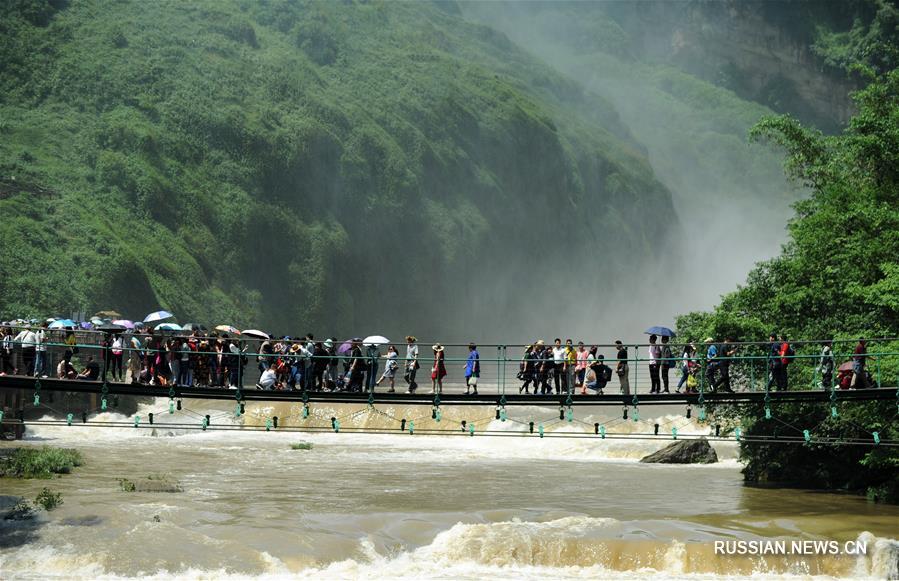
[[426, 398]]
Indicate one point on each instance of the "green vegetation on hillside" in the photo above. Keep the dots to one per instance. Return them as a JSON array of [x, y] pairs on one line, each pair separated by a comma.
[[292, 163], [838, 277]]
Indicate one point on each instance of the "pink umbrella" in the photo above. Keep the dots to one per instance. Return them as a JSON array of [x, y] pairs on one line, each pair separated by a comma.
[[124, 322]]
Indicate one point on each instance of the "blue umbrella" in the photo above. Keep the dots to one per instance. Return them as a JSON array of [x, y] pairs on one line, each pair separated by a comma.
[[158, 316], [62, 323], [661, 331]]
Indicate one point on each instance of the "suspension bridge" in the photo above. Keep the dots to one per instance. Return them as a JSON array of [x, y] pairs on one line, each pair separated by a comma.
[[71, 402]]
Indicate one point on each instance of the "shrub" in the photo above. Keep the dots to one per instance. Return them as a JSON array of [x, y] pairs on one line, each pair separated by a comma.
[[48, 499], [41, 462]]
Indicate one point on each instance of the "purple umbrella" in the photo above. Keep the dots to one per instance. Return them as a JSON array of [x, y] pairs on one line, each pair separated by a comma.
[[345, 347]]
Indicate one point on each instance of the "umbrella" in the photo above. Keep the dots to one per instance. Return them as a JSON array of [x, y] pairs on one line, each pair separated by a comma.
[[61, 323], [124, 322], [193, 327], [158, 316], [111, 327], [255, 333], [846, 366], [227, 329], [345, 347], [168, 327], [85, 325], [661, 331], [375, 340]]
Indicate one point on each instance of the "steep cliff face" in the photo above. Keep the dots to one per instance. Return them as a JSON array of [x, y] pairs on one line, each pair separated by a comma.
[[761, 50], [336, 167], [730, 195]]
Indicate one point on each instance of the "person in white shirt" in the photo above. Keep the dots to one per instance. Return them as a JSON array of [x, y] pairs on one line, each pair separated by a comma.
[[412, 364], [27, 340], [40, 352], [268, 379], [558, 364], [655, 355]]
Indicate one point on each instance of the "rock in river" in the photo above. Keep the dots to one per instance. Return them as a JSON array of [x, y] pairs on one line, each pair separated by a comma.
[[684, 452]]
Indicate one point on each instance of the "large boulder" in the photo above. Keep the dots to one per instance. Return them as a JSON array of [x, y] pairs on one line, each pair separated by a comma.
[[684, 452]]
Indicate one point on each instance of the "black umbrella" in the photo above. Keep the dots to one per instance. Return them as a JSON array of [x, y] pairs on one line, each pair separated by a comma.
[[111, 328]]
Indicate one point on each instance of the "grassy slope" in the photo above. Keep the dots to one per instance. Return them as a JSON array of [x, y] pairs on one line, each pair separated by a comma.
[[266, 161]]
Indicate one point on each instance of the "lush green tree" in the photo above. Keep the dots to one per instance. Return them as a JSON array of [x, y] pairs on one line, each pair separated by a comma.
[[836, 278]]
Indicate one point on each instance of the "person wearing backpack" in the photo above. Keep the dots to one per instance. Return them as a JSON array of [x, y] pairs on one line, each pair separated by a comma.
[[687, 356], [786, 357]]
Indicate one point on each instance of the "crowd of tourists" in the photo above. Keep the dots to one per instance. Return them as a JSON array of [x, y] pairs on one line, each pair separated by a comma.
[[221, 360]]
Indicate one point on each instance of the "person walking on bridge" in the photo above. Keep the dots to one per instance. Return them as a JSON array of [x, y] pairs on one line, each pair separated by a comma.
[[6, 347], [712, 362], [527, 371], [655, 356], [558, 362], [40, 351], [373, 353], [785, 356], [725, 353], [411, 364], [667, 364], [438, 370], [773, 360], [580, 370], [570, 364], [826, 365], [622, 369], [544, 363], [390, 367], [27, 340], [472, 369], [687, 358], [356, 372]]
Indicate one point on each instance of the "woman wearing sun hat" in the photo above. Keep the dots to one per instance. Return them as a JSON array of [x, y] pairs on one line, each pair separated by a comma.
[[438, 370]]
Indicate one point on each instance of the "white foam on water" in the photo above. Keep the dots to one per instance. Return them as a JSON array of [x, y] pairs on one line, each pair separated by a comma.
[[576, 547], [395, 446]]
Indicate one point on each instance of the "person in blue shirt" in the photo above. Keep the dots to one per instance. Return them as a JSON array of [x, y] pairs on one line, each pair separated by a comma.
[[472, 369], [712, 362]]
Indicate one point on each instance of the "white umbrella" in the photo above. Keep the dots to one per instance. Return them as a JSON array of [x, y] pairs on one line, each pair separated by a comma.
[[375, 340], [158, 316], [255, 333], [227, 329], [168, 327]]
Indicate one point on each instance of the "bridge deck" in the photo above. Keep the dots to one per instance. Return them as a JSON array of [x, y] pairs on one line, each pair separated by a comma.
[[424, 397]]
